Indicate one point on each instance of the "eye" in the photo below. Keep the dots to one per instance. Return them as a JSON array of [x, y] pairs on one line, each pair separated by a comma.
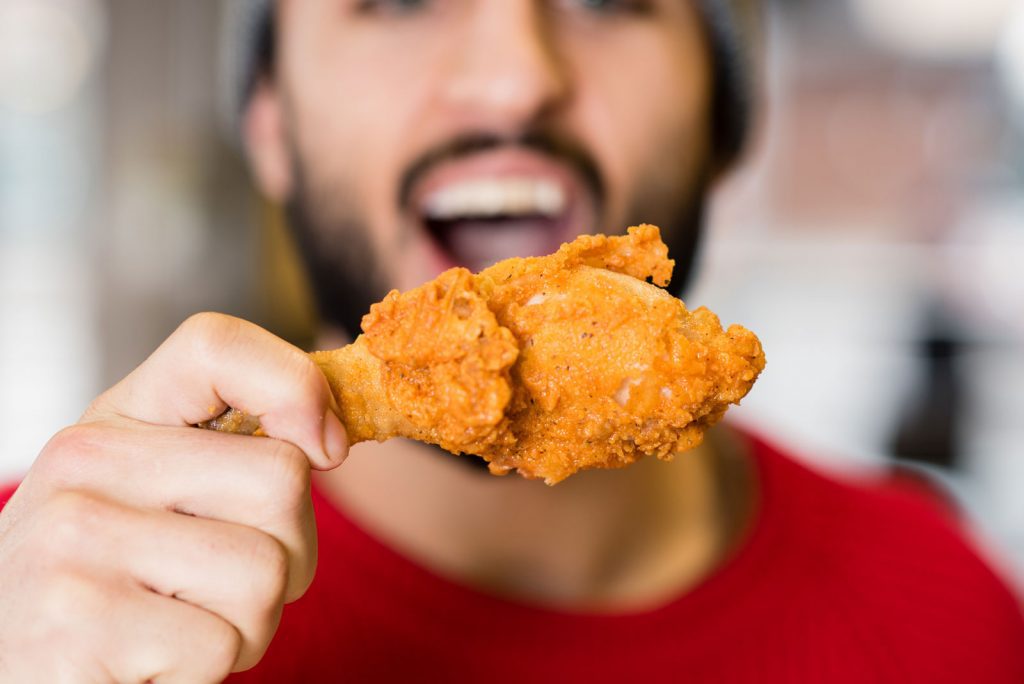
[[390, 6], [615, 6]]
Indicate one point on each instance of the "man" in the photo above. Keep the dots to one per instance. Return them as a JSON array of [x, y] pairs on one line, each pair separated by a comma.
[[400, 134]]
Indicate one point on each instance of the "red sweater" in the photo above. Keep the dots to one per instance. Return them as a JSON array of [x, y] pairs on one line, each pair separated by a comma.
[[836, 582]]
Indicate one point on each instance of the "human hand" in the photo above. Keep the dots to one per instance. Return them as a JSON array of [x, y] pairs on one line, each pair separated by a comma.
[[139, 548]]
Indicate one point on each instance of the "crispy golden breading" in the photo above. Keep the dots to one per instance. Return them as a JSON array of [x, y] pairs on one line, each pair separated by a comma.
[[432, 364], [546, 365]]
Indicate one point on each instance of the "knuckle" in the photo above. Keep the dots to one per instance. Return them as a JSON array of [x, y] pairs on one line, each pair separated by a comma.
[[288, 477], [204, 321], [307, 374], [66, 449], [306, 387], [73, 439], [221, 644], [209, 333], [301, 575], [69, 598], [71, 519], [269, 572]]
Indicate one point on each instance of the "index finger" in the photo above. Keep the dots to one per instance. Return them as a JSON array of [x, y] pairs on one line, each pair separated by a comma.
[[213, 361]]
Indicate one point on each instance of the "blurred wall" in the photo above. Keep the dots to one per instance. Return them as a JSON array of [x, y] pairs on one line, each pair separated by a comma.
[[51, 111], [875, 242], [180, 232]]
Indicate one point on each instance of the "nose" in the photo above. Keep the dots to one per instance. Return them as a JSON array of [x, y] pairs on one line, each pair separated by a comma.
[[506, 72]]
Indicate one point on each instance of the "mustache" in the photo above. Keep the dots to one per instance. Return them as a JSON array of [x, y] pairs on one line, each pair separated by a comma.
[[548, 143]]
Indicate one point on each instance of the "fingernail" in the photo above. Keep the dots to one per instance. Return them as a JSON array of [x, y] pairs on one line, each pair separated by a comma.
[[335, 439]]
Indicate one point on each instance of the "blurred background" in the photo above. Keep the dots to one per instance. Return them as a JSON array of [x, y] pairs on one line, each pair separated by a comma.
[[874, 240]]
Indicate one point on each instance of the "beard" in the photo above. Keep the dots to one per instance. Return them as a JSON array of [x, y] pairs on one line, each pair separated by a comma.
[[346, 274]]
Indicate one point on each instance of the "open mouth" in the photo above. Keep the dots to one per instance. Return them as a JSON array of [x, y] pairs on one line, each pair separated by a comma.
[[479, 221]]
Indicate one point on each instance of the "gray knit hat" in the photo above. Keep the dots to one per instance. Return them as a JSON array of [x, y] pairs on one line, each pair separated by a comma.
[[734, 27]]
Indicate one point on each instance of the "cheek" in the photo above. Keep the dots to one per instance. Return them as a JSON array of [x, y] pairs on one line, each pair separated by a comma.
[[644, 113], [361, 106], [350, 140]]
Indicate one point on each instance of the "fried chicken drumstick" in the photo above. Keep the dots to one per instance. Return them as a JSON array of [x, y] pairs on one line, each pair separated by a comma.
[[545, 365]]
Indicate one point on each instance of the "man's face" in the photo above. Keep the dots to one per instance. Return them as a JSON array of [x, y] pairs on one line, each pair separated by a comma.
[[411, 136]]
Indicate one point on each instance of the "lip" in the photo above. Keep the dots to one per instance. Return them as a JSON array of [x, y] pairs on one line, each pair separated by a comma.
[[581, 205]]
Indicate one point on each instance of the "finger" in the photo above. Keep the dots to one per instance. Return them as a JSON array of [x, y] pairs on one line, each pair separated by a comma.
[[252, 481], [233, 571], [165, 641], [214, 361]]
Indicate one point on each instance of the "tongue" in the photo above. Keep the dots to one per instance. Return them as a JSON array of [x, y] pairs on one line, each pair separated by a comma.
[[478, 243]]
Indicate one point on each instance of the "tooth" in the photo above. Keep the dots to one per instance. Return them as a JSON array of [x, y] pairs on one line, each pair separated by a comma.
[[493, 197], [441, 205], [489, 198], [462, 197], [548, 198], [518, 198]]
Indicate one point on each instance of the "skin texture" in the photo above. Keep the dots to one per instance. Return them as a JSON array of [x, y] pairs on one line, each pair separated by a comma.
[[547, 365], [99, 548]]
